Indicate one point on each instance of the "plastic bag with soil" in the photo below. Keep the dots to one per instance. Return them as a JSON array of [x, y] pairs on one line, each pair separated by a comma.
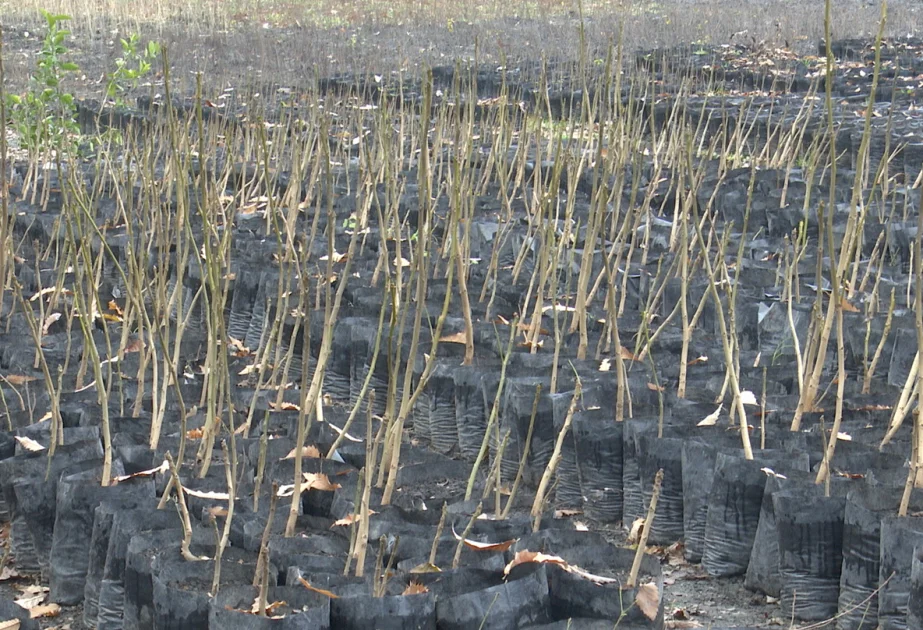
[[360, 611], [597, 452], [470, 410], [78, 497], [763, 570], [292, 607], [519, 398], [573, 595], [866, 505], [734, 507], [125, 524], [915, 603], [519, 600], [440, 403], [662, 453], [181, 588], [698, 462], [899, 538], [10, 610], [143, 548], [104, 516], [810, 532], [33, 500]]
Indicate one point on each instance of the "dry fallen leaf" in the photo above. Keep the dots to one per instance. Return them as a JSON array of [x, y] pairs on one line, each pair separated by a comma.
[[8, 573], [634, 534], [748, 398], [627, 354], [218, 496], [322, 591], [648, 600], [458, 337], [849, 308], [712, 418], [482, 546], [51, 319], [655, 388], [415, 588], [349, 519], [194, 434], [31, 601], [114, 307], [605, 365], [29, 444], [135, 344], [426, 567], [565, 512], [522, 557], [285, 406], [12, 624], [318, 481], [45, 610], [307, 451], [19, 379]]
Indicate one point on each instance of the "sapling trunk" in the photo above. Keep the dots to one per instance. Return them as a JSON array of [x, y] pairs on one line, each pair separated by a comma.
[[222, 543], [439, 528], [180, 492], [525, 452], [873, 364], [261, 578], [538, 503], [461, 541], [645, 532], [494, 412]]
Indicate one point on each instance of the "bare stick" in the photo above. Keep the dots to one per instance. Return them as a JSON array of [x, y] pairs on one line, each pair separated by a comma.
[[262, 564], [648, 521], [468, 528], [183, 512], [555, 458], [439, 528]]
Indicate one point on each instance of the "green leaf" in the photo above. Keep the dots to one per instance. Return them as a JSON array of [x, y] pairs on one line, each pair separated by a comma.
[[67, 99], [70, 66]]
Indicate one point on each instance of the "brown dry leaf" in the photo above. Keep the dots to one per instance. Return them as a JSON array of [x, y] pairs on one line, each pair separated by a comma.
[[415, 588], [655, 388], [270, 607], [285, 406], [565, 512], [349, 519], [322, 591], [522, 557], [634, 534], [219, 496], [849, 308], [45, 610], [711, 419], [319, 481], [482, 546], [648, 600], [698, 360], [681, 624], [19, 379], [458, 337], [114, 307], [426, 567], [194, 434], [12, 624], [217, 511], [240, 350], [31, 601], [8, 573], [307, 451], [164, 467], [51, 319], [29, 444], [627, 354], [135, 344]]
